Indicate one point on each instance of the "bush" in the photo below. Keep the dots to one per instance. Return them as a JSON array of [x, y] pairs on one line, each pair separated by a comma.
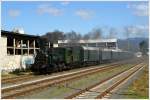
[[20, 71], [16, 71]]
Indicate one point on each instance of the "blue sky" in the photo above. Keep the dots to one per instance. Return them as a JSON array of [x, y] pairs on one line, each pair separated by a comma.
[[40, 17]]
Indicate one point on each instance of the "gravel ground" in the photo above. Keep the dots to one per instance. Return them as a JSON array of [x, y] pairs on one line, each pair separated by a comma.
[[61, 91]]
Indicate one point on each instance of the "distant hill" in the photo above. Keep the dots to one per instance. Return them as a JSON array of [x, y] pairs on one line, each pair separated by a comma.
[[133, 43]]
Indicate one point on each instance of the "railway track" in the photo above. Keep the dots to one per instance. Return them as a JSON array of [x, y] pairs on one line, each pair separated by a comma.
[[20, 89], [20, 78], [103, 88], [16, 79]]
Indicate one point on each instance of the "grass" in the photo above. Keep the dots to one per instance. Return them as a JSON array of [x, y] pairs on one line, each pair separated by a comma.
[[7, 75], [15, 73], [139, 88]]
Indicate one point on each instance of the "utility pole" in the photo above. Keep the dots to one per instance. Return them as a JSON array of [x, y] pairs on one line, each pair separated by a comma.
[[128, 43], [127, 32]]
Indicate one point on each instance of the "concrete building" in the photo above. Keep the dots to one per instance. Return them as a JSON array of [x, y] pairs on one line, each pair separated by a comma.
[[17, 50], [102, 43]]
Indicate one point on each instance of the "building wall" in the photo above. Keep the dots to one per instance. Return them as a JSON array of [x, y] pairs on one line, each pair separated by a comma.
[[3, 50], [17, 61], [11, 62]]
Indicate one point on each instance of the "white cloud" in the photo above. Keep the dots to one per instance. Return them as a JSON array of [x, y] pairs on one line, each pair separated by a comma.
[[66, 2], [50, 10], [14, 12], [139, 9], [137, 30], [84, 14]]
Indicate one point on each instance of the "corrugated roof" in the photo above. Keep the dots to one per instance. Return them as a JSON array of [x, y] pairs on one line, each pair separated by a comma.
[[13, 34], [89, 41]]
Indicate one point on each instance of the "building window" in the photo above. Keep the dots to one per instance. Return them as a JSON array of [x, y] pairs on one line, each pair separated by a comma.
[[103, 45], [92, 44], [17, 51], [10, 51], [21, 47], [9, 42]]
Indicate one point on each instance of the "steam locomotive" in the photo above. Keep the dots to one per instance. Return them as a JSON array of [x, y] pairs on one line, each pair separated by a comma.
[[64, 58]]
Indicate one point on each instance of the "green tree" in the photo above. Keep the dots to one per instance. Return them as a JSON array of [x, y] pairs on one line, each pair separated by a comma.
[[54, 36], [143, 47]]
